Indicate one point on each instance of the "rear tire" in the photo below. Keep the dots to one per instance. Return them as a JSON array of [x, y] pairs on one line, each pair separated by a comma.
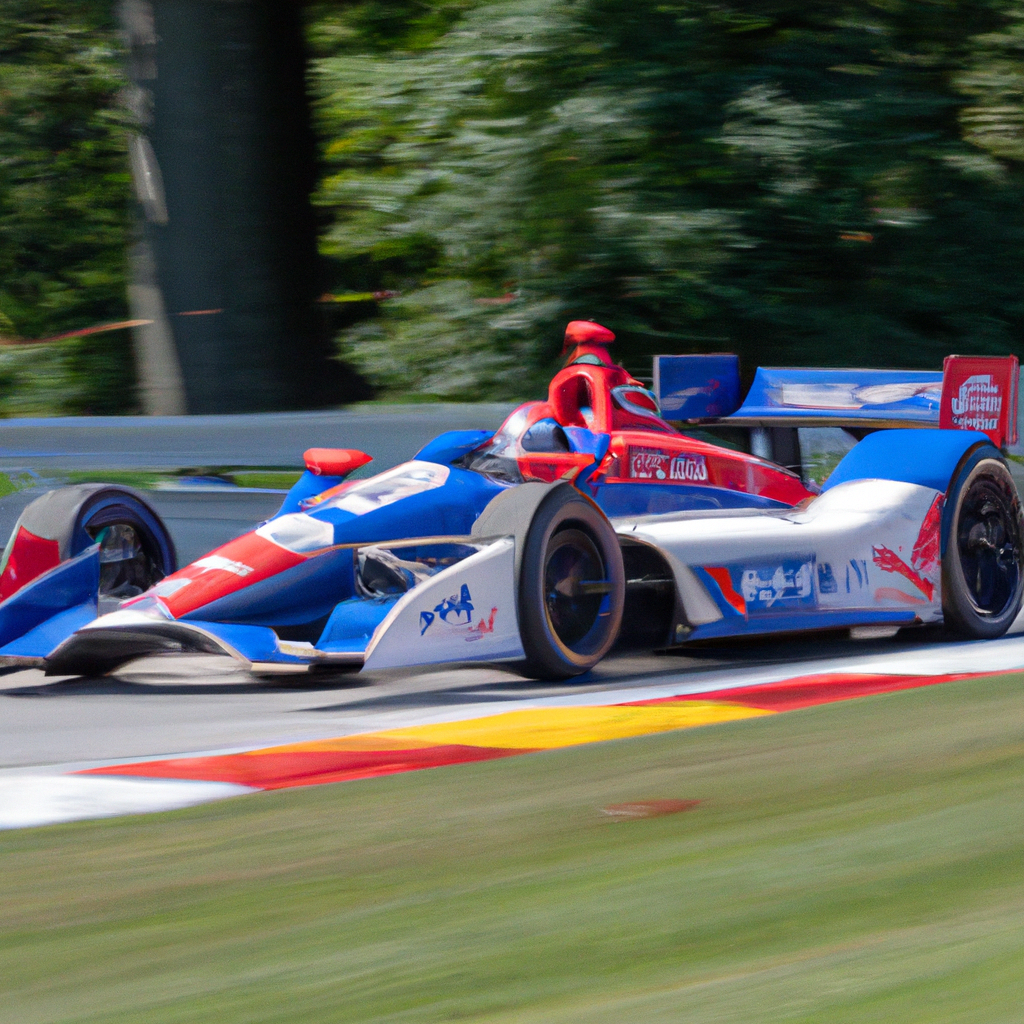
[[983, 564], [571, 587]]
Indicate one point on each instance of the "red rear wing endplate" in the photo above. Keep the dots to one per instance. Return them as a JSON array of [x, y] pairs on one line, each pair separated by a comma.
[[980, 393]]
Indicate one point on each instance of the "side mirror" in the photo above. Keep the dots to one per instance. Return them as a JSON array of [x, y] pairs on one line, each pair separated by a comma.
[[334, 461]]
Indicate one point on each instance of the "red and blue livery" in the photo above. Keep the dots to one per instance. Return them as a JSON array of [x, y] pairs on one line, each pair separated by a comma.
[[585, 521]]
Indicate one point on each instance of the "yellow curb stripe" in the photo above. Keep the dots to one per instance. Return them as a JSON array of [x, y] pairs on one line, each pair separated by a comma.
[[548, 728]]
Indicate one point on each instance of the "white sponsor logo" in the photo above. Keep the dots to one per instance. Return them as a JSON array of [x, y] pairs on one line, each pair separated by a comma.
[[689, 467], [651, 464], [211, 562], [977, 404], [783, 584], [645, 464]]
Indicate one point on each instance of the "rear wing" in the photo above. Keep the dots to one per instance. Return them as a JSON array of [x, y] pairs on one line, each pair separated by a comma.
[[970, 393]]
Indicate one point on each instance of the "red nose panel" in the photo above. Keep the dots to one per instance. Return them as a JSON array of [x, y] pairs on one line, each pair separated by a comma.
[[231, 567]]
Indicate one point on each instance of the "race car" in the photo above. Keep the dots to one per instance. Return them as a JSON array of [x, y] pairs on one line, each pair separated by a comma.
[[585, 521]]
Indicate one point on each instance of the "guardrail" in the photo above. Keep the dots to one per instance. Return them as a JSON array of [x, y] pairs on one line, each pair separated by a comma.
[[390, 433]]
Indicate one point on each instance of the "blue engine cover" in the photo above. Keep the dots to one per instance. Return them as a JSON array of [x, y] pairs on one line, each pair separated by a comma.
[[925, 457]]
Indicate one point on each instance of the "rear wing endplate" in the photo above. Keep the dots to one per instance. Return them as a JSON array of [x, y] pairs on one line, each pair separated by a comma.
[[980, 393]]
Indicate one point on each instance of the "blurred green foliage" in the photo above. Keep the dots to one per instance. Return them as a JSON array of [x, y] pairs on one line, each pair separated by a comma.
[[824, 183], [830, 183], [65, 206]]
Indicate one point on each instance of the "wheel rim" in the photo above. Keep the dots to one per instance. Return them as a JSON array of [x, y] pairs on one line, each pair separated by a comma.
[[126, 570], [988, 543], [575, 587]]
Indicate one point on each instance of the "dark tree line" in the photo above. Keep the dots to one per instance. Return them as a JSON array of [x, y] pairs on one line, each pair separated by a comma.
[[835, 182], [65, 204]]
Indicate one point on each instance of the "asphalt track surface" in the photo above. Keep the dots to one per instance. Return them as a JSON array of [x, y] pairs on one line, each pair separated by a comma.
[[188, 704], [208, 712]]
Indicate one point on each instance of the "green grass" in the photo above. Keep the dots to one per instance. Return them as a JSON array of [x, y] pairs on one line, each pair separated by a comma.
[[16, 480], [143, 479], [273, 479], [854, 862]]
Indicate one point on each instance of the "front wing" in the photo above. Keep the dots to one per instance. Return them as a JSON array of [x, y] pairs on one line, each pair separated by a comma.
[[465, 612]]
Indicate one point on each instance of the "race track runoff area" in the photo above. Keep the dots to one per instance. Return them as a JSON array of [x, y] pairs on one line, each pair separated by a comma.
[[850, 861]]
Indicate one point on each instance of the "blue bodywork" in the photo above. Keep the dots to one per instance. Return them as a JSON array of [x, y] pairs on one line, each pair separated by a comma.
[[40, 615], [925, 457]]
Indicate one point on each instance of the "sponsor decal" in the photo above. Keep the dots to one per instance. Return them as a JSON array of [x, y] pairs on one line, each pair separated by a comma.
[[456, 613], [856, 575], [689, 467], [783, 585], [827, 579], [212, 562], [978, 403], [980, 393], [648, 464], [833, 395], [888, 561], [721, 575], [786, 584], [482, 628], [653, 464], [925, 557], [386, 488]]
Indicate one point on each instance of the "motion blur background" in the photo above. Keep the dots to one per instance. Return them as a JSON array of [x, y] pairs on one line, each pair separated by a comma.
[[321, 203]]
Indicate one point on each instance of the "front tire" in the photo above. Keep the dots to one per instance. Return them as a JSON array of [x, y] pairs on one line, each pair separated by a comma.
[[571, 587], [136, 549], [983, 563]]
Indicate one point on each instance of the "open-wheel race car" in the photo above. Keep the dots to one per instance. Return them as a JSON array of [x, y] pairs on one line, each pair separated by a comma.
[[586, 520]]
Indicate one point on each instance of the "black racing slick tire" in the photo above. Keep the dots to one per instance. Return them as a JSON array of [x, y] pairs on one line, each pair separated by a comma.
[[983, 557], [571, 583], [136, 549]]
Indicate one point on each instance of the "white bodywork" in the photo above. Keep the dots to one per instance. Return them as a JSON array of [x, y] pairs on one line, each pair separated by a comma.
[[861, 545], [865, 551]]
